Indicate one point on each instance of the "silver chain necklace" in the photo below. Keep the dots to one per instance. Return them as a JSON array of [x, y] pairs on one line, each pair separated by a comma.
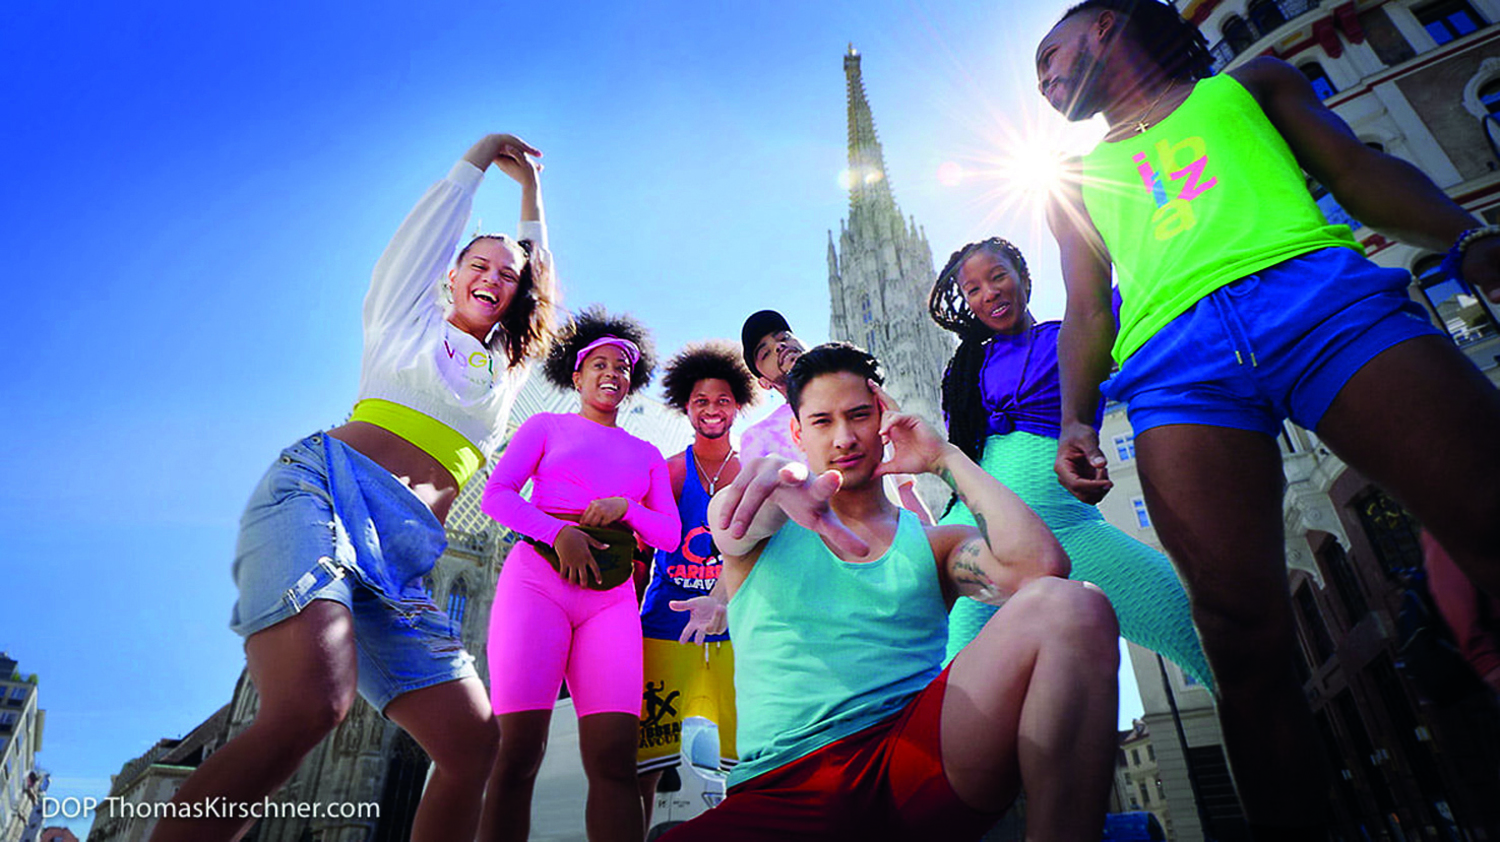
[[711, 483]]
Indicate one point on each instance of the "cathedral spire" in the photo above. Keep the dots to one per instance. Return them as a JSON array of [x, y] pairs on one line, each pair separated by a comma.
[[867, 175], [879, 274]]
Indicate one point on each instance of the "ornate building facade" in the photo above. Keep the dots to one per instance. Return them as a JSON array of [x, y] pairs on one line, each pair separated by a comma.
[[879, 275], [22, 783]]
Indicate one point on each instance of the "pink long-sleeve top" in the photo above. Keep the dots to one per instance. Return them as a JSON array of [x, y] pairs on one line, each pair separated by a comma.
[[572, 462]]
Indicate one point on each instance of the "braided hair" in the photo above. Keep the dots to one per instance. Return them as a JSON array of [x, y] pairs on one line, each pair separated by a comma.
[[963, 405], [591, 324], [1176, 45]]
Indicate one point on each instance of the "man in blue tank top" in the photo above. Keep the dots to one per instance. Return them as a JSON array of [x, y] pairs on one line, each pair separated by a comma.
[[1243, 308], [849, 727], [708, 383]]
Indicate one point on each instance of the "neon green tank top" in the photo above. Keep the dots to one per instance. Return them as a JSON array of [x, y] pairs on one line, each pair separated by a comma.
[[1207, 196]]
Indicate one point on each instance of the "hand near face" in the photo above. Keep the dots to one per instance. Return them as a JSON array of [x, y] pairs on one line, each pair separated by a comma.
[[604, 511], [916, 448], [771, 480]]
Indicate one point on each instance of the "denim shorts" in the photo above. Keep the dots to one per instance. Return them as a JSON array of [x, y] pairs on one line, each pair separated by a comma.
[[326, 522], [1270, 346]]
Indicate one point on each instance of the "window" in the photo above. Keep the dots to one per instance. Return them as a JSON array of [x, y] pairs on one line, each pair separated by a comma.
[[1142, 517], [1489, 95], [1391, 531], [1135, 757], [1150, 752], [1237, 34], [1145, 793], [1266, 15], [1312, 623], [1125, 447], [458, 601], [1447, 20], [1336, 565], [1319, 79], [1459, 308]]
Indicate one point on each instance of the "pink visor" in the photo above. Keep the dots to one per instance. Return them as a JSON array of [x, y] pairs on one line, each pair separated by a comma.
[[627, 347]]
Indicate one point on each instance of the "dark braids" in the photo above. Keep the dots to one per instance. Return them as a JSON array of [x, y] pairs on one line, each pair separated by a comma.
[[963, 406], [1157, 28]]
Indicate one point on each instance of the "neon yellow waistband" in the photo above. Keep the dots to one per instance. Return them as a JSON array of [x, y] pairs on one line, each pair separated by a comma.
[[449, 447]]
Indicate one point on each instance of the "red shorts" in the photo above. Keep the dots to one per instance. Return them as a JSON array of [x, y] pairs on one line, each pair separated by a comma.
[[883, 783]]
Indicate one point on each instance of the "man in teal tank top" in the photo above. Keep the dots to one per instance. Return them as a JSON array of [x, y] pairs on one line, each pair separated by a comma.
[[1242, 307], [849, 727]]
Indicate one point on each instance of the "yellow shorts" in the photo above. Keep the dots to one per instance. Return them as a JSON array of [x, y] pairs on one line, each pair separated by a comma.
[[685, 680]]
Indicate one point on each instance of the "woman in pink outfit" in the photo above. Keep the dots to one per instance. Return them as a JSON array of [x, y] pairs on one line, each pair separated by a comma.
[[565, 604]]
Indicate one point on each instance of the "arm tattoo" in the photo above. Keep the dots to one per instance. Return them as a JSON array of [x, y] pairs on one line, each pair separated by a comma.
[[948, 478], [967, 573]]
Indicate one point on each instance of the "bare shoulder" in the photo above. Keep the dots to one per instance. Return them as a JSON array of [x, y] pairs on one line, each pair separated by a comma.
[[1266, 77], [677, 471]]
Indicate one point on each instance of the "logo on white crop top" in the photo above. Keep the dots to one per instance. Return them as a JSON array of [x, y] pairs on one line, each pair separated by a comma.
[[467, 367]]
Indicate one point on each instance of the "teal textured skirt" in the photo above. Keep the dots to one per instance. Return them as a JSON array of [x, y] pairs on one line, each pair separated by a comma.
[[1141, 585]]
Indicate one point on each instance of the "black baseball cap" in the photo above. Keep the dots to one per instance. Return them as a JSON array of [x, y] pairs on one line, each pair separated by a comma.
[[755, 329]]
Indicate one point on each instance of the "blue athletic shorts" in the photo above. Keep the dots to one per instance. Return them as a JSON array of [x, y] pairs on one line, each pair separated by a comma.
[[1274, 345], [326, 522]]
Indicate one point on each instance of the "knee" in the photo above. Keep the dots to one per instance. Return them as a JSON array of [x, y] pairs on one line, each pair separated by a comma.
[[617, 769], [303, 723], [470, 753], [1246, 646], [1075, 614], [518, 756]]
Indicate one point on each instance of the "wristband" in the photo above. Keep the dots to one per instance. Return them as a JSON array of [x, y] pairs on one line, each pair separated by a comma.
[[1454, 260]]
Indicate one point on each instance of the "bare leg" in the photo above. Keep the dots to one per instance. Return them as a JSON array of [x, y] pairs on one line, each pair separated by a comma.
[[608, 743], [507, 800], [305, 670], [1034, 699], [455, 725], [648, 782], [1422, 422], [1214, 495]]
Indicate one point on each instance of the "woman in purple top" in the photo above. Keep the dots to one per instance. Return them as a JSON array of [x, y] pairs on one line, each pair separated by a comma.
[[1003, 407]]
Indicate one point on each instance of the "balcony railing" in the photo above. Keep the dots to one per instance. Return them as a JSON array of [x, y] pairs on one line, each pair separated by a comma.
[[1260, 20]]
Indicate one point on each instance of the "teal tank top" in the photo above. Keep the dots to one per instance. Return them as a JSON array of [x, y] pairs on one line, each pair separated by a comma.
[[1207, 196], [824, 648]]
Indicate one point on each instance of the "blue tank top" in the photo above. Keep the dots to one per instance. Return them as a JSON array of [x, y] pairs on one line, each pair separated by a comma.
[[688, 571], [825, 648]]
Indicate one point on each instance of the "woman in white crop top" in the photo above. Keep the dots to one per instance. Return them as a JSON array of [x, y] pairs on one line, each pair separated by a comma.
[[338, 536]]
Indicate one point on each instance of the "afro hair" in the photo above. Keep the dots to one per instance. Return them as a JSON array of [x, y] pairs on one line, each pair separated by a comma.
[[712, 360], [594, 323]]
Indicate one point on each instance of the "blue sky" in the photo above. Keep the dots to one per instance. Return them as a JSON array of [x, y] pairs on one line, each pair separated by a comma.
[[195, 195]]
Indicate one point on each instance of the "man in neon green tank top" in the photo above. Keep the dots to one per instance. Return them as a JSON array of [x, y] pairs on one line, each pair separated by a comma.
[[850, 729], [1243, 307]]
